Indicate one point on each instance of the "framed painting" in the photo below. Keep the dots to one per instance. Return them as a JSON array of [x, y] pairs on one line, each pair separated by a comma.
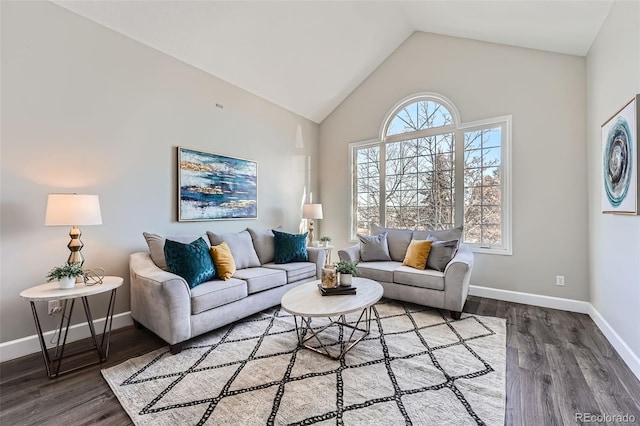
[[212, 187], [620, 160]]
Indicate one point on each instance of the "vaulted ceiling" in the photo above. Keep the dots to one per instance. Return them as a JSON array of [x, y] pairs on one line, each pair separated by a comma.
[[307, 56]]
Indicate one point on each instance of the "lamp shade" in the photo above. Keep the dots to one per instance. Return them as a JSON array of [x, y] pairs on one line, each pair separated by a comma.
[[73, 210], [312, 211]]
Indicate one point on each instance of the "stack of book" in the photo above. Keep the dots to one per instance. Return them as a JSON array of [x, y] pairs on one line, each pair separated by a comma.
[[336, 291]]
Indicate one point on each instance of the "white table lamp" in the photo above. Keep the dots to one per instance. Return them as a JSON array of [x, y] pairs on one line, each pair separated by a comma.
[[73, 210], [311, 211]]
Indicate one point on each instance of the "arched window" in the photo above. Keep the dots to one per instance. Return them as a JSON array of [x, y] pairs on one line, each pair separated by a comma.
[[429, 171], [418, 115]]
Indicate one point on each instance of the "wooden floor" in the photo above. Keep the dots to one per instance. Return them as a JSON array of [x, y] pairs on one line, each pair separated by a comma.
[[558, 364]]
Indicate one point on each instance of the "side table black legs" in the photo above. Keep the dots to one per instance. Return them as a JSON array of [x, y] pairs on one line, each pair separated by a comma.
[[53, 363]]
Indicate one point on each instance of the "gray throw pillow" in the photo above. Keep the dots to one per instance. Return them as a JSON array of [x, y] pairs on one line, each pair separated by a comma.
[[156, 245], [446, 235], [263, 242], [397, 239], [241, 246], [374, 247], [441, 254]]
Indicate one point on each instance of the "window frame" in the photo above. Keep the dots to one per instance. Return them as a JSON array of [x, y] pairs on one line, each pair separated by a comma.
[[458, 129], [505, 184]]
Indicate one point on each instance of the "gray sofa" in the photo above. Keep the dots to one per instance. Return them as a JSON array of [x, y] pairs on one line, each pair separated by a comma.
[[446, 289], [163, 302]]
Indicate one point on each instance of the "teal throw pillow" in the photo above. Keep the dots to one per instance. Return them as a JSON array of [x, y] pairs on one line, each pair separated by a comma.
[[290, 247], [191, 261]]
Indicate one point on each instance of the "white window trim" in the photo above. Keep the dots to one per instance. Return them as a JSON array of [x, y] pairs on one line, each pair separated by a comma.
[[459, 128], [506, 249], [354, 183], [411, 99]]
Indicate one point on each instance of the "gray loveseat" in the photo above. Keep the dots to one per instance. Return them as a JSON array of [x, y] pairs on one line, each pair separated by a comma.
[[444, 289], [163, 302]]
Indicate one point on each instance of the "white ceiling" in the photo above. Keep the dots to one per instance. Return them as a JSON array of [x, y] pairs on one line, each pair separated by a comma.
[[307, 56]]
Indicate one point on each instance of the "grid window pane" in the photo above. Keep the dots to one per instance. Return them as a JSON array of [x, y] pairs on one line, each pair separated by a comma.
[[366, 204], [419, 116], [482, 186], [415, 187]]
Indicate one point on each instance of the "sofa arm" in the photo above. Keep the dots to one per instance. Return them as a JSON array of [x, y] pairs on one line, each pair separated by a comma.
[[350, 253], [457, 275], [317, 256], [160, 300]]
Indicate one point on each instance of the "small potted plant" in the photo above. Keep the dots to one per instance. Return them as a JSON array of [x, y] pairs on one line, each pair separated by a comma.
[[325, 240], [66, 275], [347, 270]]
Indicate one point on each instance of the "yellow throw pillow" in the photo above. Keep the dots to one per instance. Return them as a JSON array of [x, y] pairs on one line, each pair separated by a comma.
[[417, 254], [223, 261]]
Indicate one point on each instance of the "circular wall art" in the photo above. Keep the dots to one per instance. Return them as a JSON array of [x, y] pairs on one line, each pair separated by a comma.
[[618, 162], [620, 159]]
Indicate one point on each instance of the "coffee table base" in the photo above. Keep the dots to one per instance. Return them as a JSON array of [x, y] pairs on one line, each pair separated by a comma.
[[345, 345]]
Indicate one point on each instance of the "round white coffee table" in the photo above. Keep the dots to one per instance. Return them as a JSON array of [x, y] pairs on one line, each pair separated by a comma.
[[306, 302]]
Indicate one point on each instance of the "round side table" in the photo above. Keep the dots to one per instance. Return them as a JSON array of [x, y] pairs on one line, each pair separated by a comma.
[[52, 291]]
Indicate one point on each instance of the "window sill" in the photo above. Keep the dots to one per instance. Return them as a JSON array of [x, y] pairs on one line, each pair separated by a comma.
[[492, 250]]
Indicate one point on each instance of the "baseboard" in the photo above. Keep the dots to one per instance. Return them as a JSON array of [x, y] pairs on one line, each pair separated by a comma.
[[29, 345], [629, 357], [531, 299]]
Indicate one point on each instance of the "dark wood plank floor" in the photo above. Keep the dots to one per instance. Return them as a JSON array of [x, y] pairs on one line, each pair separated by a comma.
[[558, 364]]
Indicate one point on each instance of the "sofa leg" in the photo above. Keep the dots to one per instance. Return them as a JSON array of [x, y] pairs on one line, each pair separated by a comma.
[[455, 315], [137, 325], [176, 349]]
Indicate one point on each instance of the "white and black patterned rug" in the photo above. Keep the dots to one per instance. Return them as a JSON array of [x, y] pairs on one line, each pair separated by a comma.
[[417, 366]]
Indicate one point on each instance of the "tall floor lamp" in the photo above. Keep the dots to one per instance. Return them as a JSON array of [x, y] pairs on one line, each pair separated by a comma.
[[73, 210], [311, 211]]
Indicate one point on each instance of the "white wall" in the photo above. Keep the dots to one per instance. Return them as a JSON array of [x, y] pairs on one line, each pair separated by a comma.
[[545, 93], [613, 78], [87, 110]]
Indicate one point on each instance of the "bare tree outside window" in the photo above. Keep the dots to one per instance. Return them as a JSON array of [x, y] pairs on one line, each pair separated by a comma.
[[409, 179], [482, 186]]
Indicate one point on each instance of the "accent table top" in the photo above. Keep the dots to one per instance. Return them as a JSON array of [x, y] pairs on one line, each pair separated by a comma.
[[305, 300], [52, 291]]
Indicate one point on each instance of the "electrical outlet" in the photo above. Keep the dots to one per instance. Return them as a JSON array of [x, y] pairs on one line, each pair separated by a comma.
[[559, 279], [54, 307]]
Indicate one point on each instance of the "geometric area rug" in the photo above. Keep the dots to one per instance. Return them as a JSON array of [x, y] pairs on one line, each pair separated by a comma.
[[416, 367]]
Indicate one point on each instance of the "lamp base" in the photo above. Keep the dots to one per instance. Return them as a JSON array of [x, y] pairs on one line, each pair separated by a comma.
[[310, 242], [75, 245]]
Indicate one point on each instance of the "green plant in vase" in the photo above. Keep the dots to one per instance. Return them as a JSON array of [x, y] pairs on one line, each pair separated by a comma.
[[324, 240], [66, 274], [347, 270]]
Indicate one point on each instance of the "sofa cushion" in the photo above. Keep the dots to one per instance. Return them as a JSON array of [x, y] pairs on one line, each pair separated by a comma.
[[446, 235], [259, 279], [419, 234], [398, 240], [241, 247], [417, 254], [191, 261], [374, 247], [441, 254], [378, 271], [212, 294], [427, 278], [156, 245], [290, 247], [296, 271], [264, 244], [223, 261]]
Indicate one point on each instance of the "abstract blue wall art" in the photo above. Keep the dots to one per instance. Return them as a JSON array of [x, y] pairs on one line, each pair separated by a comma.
[[620, 161], [212, 187]]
